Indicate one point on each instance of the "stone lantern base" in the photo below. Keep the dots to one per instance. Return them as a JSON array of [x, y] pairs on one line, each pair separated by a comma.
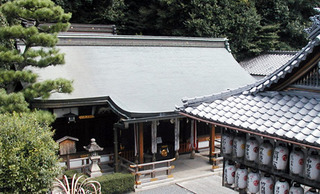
[[94, 169]]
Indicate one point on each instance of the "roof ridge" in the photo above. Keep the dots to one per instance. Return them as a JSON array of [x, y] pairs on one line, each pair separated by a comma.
[[212, 97], [95, 39]]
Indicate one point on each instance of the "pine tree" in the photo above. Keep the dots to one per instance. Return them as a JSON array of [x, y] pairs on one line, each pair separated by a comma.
[[30, 34]]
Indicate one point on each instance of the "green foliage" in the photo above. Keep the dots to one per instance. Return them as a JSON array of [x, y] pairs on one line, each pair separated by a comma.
[[28, 154], [252, 26], [30, 41], [95, 11], [116, 183]]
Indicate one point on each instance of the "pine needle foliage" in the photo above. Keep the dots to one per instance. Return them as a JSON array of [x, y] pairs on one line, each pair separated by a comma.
[[29, 35]]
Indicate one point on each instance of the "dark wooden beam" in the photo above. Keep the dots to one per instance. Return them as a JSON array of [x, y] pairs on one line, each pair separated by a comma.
[[141, 143]]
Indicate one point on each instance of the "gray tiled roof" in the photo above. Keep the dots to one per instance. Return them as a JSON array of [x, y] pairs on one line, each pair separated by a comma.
[[143, 74], [267, 63], [265, 83], [276, 76], [290, 115]]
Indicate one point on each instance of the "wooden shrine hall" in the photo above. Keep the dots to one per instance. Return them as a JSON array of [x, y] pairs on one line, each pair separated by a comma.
[[126, 89]]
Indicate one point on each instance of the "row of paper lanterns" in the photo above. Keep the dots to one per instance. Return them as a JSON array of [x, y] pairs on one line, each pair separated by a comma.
[[279, 157], [254, 183]]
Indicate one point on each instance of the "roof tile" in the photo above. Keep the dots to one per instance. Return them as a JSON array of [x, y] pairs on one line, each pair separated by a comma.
[[303, 111], [287, 127], [271, 112], [222, 119], [249, 113], [311, 139], [262, 128], [195, 111], [296, 129], [294, 109], [257, 115], [316, 133], [313, 113], [283, 119], [292, 121], [317, 107], [235, 116], [288, 115], [306, 131], [254, 126], [302, 124], [290, 134], [271, 130], [280, 132], [230, 121], [245, 124], [316, 120], [208, 116], [260, 121], [300, 137]]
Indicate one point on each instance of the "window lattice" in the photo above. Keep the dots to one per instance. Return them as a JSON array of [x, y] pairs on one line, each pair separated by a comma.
[[312, 79]]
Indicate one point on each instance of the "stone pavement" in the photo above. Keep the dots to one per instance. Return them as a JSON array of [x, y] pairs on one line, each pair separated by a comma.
[[191, 176]]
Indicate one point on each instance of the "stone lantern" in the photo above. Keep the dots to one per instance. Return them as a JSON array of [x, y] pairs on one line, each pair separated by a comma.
[[93, 148]]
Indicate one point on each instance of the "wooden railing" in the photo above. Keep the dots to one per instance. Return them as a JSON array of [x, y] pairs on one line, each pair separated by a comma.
[[151, 171], [81, 164], [185, 147], [128, 154]]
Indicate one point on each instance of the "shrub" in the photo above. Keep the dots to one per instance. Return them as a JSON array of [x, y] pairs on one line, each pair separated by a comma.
[[28, 154], [116, 183]]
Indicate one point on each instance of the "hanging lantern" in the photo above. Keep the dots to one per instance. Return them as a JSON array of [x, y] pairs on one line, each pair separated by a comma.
[[312, 167], [296, 189], [266, 185], [281, 187], [280, 157], [229, 173], [252, 149], [226, 143], [296, 161], [312, 191], [253, 181], [265, 153], [241, 177], [238, 146]]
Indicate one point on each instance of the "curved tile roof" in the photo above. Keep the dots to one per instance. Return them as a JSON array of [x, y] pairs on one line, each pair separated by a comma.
[[273, 78], [289, 115], [267, 63]]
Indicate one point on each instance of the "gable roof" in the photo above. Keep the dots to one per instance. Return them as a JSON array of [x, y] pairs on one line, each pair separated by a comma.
[[268, 107], [267, 63], [140, 74]]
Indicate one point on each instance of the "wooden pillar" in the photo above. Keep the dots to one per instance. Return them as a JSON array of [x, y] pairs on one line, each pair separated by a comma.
[[176, 137], [192, 139], [116, 151], [212, 142], [154, 140], [136, 143], [141, 143]]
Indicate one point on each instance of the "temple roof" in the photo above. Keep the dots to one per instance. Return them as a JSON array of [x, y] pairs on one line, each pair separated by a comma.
[[290, 115], [267, 63], [141, 74]]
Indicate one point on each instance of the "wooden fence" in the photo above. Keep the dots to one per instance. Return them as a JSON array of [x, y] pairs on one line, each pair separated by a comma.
[[82, 164], [148, 172]]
